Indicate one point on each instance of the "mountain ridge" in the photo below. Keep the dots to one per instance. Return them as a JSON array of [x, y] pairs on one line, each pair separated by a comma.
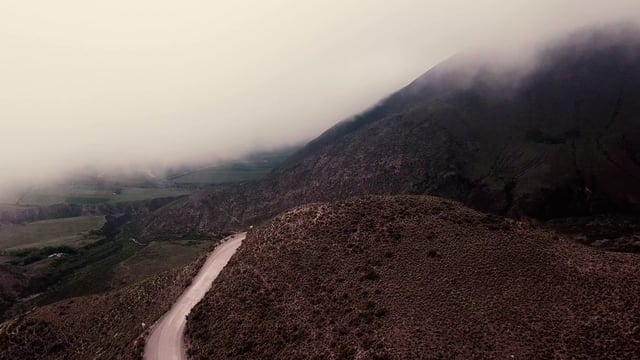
[[559, 143], [415, 277]]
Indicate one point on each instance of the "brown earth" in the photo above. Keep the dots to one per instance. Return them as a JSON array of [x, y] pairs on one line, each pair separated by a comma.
[[106, 326], [416, 277]]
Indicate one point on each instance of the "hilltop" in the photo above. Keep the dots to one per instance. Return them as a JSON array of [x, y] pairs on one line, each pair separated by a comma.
[[415, 277]]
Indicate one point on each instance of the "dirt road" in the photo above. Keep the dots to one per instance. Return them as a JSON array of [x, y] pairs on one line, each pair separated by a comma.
[[166, 340]]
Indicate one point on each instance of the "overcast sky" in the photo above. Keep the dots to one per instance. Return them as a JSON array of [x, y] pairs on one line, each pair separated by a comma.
[[124, 83]]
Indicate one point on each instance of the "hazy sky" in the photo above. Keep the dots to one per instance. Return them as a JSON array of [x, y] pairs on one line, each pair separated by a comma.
[[138, 82]]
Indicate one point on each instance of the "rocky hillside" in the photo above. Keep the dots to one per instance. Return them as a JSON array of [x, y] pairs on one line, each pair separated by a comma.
[[416, 277], [106, 326], [557, 139]]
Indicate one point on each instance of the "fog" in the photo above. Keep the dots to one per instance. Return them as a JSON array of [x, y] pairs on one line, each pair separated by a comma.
[[146, 84]]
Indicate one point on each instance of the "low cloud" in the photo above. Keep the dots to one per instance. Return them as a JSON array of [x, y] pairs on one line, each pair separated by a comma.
[[144, 84]]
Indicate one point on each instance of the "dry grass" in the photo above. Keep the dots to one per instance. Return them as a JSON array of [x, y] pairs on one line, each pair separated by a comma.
[[156, 257], [416, 278]]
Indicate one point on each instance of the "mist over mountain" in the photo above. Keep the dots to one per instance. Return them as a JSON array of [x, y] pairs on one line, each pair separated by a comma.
[[560, 139], [171, 84]]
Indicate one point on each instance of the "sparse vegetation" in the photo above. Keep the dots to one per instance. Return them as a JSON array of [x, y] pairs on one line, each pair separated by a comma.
[[413, 277], [106, 326], [433, 253], [29, 256], [93, 194], [93, 264], [156, 257]]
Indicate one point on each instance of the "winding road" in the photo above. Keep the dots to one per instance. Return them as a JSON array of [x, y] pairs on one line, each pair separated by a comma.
[[166, 341]]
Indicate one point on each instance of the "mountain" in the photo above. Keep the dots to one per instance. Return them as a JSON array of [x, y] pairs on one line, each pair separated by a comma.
[[559, 138], [415, 277], [391, 272]]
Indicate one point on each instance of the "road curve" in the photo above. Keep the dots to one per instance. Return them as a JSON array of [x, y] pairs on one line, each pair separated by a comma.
[[166, 341]]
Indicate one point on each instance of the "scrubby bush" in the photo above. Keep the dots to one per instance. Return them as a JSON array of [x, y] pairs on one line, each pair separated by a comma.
[[29, 256]]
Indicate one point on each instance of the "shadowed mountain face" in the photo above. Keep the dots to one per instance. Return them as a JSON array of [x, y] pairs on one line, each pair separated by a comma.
[[557, 140]]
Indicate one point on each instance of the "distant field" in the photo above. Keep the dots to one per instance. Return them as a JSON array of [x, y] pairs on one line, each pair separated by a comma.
[[252, 168], [223, 174], [89, 195], [56, 232], [146, 261], [90, 271], [11, 208], [136, 193], [114, 264]]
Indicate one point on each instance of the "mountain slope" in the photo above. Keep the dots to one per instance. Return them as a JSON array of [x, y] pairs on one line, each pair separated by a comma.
[[105, 326], [556, 140], [415, 277]]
